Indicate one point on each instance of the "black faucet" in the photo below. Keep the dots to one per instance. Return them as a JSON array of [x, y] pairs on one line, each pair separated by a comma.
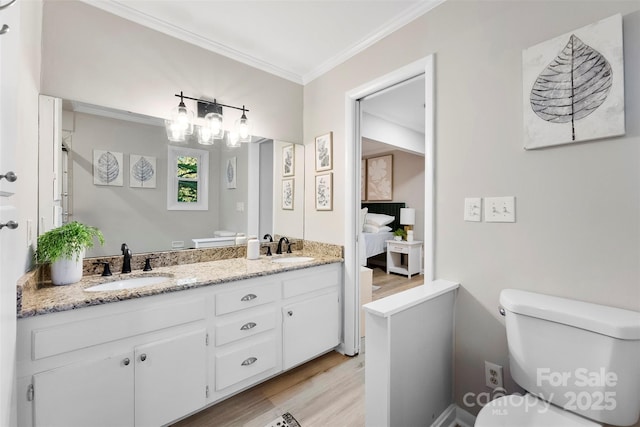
[[279, 249], [126, 263], [270, 238], [107, 270]]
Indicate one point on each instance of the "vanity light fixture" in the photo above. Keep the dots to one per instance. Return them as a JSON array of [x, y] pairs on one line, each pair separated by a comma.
[[212, 124]]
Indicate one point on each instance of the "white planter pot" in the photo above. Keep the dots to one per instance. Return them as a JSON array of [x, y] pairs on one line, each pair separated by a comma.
[[397, 238], [67, 271]]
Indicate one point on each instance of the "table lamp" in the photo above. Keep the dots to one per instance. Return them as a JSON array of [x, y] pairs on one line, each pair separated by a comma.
[[408, 219]]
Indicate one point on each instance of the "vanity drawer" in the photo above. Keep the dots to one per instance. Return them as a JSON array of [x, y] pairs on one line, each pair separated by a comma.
[[317, 278], [244, 363], [240, 299], [402, 249], [245, 325]]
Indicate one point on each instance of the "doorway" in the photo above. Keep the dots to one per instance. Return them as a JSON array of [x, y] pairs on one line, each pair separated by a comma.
[[353, 156]]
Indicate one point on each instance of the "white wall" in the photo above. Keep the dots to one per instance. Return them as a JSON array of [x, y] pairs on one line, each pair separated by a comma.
[[578, 206], [93, 56], [289, 223]]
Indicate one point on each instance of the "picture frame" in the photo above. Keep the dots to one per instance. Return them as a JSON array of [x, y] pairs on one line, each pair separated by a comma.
[[324, 152], [288, 194], [108, 168], [230, 173], [380, 178], [142, 171], [288, 160], [324, 192], [363, 180]]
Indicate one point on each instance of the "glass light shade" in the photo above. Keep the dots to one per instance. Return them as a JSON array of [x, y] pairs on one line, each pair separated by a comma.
[[407, 216], [214, 122], [182, 118], [233, 139], [175, 133], [205, 137], [243, 129]]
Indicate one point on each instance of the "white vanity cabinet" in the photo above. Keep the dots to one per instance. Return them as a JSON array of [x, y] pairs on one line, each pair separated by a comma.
[[150, 361], [311, 315]]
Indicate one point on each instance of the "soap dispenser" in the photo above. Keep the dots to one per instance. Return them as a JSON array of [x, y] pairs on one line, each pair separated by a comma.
[[253, 248]]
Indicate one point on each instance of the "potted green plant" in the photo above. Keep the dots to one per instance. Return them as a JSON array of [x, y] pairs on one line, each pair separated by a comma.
[[399, 234], [64, 248]]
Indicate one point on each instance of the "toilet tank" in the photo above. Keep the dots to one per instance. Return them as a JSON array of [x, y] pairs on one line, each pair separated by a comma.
[[580, 356]]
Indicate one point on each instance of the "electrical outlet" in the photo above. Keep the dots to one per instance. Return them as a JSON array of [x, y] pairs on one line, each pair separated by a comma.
[[473, 209], [500, 209], [493, 375]]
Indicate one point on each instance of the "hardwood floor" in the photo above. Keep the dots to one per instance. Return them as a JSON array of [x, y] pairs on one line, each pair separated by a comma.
[[327, 391]]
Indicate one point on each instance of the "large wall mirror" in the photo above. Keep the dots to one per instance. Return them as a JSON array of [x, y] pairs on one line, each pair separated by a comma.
[[110, 169]]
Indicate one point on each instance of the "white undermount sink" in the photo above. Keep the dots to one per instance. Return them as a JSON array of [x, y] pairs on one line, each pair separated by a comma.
[[134, 282], [293, 259]]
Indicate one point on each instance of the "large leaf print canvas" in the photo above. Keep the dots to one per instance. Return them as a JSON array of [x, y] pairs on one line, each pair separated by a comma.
[[573, 86], [107, 168]]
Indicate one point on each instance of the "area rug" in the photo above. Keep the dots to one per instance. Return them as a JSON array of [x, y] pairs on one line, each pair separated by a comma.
[[285, 420]]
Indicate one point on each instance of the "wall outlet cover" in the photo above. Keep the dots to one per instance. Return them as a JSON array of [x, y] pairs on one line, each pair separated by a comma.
[[473, 209], [493, 375], [500, 209]]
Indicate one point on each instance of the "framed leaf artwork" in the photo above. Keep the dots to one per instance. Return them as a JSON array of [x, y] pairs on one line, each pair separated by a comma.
[[573, 86], [380, 178], [107, 168], [324, 192], [230, 173], [324, 152], [142, 171]]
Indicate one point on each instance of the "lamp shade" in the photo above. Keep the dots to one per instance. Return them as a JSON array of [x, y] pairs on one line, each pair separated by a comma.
[[407, 216]]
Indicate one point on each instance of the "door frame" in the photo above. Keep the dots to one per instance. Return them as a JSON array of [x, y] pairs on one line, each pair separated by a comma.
[[353, 154]]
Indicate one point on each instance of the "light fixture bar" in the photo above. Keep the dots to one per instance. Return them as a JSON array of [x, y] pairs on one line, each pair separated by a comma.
[[212, 102]]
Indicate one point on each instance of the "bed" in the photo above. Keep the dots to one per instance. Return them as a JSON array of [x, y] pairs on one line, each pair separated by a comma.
[[372, 244]]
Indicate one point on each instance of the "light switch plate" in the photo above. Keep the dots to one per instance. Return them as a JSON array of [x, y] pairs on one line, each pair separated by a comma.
[[473, 209], [500, 209]]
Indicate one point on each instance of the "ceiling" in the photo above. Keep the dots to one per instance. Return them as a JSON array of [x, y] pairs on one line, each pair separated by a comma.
[[295, 39]]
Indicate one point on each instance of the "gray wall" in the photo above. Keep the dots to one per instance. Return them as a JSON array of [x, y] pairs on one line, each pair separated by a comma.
[[137, 216], [578, 207]]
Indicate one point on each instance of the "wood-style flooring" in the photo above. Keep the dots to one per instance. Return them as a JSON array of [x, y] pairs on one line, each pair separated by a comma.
[[327, 391]]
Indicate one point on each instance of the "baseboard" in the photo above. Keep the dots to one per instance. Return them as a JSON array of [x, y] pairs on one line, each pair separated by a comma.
[[454, 416], [464, 418]]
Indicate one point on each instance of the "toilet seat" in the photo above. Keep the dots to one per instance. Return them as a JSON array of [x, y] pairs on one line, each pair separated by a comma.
[[527, 411]]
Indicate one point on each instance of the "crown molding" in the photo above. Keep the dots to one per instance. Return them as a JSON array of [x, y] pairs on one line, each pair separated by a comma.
[[126, 12]]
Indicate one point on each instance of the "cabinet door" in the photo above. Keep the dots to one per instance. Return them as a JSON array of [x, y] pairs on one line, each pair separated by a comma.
[[170, 378], [310, 327], [97, 394]]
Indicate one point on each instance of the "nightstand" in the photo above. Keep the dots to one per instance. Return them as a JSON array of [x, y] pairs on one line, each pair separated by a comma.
[[412, 252]]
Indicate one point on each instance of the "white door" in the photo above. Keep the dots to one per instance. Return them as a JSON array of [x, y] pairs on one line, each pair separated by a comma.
[[170, 378], [311, 327], [97, 394], [9, 264]]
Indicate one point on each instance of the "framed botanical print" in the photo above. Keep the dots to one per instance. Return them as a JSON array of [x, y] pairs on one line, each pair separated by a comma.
[[324, 192], [324, 152], [288, 160], [380, 178], [287, 194]]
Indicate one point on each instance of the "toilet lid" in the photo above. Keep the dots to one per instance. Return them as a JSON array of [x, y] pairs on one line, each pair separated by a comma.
[[527, 411]]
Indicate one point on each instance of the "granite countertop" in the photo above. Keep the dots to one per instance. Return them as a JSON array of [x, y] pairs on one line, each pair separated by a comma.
[[46, 298]]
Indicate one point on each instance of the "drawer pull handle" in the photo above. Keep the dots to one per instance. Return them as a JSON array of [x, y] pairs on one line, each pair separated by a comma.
[[9, 176], [11, 225], [249, 297], [126, 361], [248, 326], [249, 361]]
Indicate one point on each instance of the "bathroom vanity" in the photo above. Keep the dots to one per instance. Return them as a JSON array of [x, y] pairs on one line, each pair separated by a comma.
[[168, 350]]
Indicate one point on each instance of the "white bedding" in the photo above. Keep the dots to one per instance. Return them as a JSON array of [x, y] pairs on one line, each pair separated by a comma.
[[372, 244]]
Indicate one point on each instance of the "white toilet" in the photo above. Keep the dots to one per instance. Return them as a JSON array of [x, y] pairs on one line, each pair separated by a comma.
[[579, 362]]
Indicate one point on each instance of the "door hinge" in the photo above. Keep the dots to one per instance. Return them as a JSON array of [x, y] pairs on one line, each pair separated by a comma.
[[206, 339], [206, 392], [30, 393]]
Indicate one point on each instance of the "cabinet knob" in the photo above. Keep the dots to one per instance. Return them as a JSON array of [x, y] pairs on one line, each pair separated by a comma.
[[126, 361], [11, 225], [290, 313], [9, 176], [249, 361], [143, 357], [248, 326], [248, 297]]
